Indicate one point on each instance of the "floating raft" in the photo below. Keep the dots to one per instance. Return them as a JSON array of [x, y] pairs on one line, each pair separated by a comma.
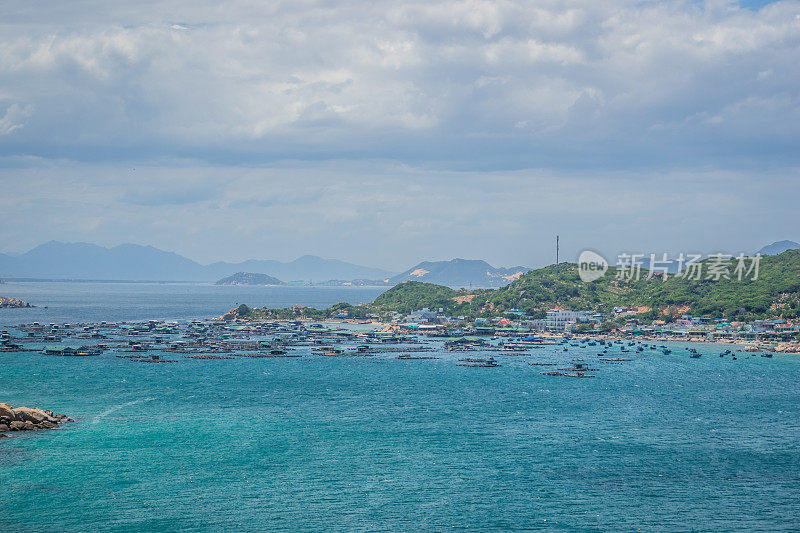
[[568, 375], [478, 363]]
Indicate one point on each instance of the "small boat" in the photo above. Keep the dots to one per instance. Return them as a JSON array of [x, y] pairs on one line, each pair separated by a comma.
[[152, 359], [577, 367]]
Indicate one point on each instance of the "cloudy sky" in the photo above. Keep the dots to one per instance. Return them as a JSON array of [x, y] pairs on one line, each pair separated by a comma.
[[386, 133]]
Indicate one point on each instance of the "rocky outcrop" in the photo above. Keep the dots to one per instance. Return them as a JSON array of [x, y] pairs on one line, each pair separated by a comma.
[[788, 347], [249, 278], [28, 419], [9, 303]]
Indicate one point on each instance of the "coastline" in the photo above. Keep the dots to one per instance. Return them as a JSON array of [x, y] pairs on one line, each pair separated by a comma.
[[778, 347]]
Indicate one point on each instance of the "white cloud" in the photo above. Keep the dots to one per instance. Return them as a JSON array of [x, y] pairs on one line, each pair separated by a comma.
[[313, 79], [472, 123], [14, 118]]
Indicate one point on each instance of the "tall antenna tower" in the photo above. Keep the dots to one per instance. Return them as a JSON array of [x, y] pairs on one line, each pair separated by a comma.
[[556, 250]]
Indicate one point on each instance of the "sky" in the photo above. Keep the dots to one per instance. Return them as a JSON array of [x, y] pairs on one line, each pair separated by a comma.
[[387, 133]]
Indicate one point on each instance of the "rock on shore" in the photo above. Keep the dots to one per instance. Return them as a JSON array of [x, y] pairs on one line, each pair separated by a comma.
[[28, 419], [13, 303], [788, 347]]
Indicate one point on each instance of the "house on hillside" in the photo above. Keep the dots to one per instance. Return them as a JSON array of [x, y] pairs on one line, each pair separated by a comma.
[[564, 320]]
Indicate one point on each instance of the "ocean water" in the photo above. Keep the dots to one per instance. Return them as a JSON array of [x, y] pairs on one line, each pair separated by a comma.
[[114, 302], [659, 443]]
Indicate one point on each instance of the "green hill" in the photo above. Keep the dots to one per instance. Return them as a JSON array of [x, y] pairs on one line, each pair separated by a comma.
[[776, 293], [414, 295], [249, 278]]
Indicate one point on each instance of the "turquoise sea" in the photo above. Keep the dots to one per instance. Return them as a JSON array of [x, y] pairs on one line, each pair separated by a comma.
[[659, 443], [58, 302]]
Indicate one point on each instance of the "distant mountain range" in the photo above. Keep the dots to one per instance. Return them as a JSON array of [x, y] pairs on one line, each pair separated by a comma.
[[460, 273], [132, 262], [779, 247]]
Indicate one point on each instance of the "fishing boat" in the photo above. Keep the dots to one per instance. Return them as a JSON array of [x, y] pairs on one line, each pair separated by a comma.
[[577, 367]]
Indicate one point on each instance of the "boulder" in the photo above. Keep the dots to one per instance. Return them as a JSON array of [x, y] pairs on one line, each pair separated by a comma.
[[35, 416], [28, 419], [6, 411]]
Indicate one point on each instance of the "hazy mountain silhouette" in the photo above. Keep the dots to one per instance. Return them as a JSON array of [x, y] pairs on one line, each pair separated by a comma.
[[460, 273], [779, 247], [133, 262]]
